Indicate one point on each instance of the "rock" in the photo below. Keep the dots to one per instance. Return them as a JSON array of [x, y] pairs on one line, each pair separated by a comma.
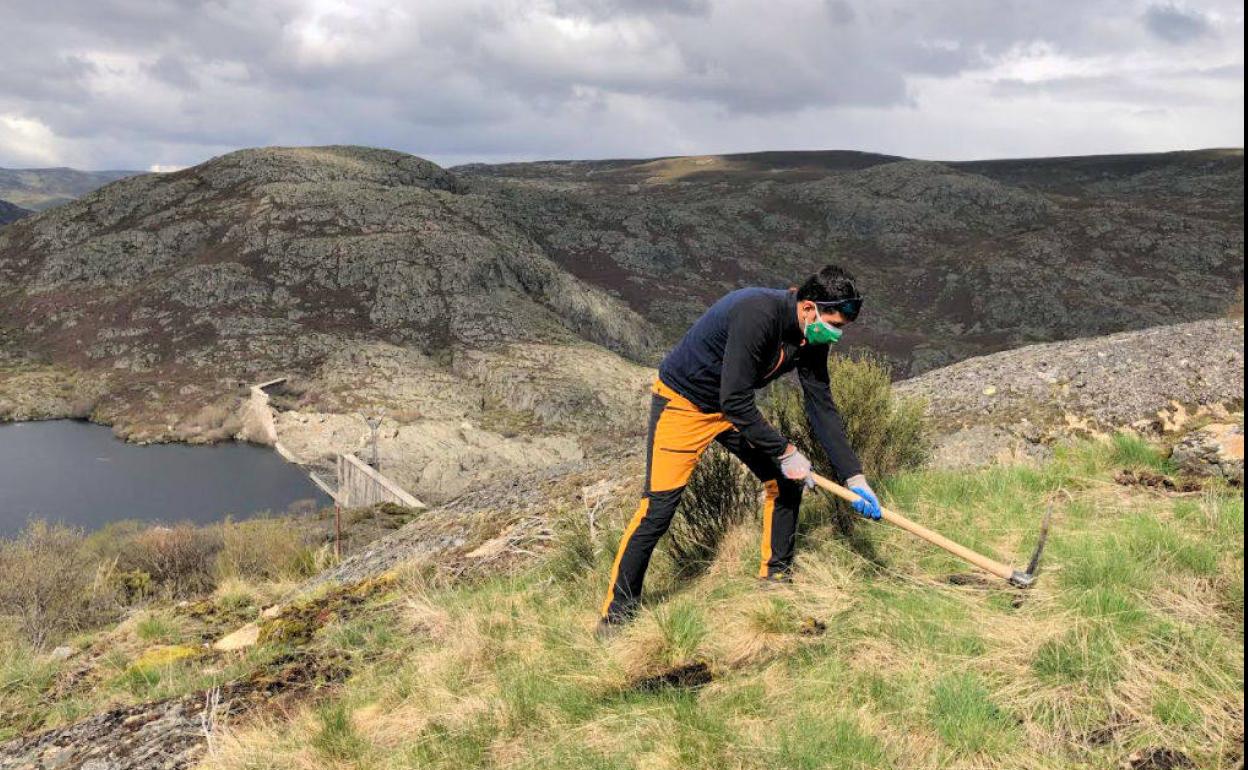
[[63, 652], [57, 758], [1214, 450], [980, 445], [238, 640], [1131, 379]]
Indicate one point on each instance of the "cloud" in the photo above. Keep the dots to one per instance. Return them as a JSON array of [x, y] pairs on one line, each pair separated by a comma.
[[171, 82], [1176, 25]]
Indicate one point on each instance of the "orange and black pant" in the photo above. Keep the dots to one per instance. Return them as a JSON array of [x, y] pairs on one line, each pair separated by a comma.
[[678, 434]]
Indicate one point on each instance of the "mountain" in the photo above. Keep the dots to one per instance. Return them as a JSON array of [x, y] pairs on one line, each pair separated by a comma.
[[957, 259], [10, 213], [369, 276], [506, 317], [41, 188]]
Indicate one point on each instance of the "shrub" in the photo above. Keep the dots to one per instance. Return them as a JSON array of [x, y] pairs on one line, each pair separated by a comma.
[[216, 422], [51, 585], [889, 434], [180, 559], [720, 495], [268, 549]]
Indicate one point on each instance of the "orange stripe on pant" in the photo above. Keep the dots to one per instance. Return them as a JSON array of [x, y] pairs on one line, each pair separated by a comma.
[[771, 490], [619, 554]]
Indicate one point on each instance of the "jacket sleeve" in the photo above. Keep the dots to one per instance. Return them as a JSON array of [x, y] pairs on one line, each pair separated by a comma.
[[821, 412], [744, 353]]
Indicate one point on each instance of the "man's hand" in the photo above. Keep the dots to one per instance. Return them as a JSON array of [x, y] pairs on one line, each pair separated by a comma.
[[867, 504], [795, 466]]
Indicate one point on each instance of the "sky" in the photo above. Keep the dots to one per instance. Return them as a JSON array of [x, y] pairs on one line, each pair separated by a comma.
[[162, 84]]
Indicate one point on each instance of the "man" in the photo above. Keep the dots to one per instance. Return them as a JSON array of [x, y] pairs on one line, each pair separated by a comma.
[[705, 392]]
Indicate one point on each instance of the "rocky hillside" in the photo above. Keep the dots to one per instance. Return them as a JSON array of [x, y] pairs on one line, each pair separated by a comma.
[[503, 318], [10, 213], [369, 274], [958, 259], [42, 188], [1019, 402]]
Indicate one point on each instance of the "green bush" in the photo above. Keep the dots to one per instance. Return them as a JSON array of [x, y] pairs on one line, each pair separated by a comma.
[[888, 433]]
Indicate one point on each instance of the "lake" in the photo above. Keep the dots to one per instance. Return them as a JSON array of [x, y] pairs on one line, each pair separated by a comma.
[[80, 474]]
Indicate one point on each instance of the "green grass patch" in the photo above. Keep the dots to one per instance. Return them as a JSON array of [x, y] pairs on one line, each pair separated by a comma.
[[1175, 709], [158, 627], [819, 740], [967, 719], [336, 737], [1088, 655], [1133, 451]]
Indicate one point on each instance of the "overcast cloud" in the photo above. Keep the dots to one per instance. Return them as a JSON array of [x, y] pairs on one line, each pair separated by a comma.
[[166, 83]]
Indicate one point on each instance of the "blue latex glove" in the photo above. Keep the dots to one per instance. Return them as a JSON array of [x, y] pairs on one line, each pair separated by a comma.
[[867, 505]]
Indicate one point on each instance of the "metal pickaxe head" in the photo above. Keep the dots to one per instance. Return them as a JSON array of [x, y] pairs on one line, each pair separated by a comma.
[[1027, 579]]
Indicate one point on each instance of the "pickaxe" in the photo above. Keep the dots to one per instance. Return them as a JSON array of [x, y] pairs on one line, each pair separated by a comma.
[[1018, 578]]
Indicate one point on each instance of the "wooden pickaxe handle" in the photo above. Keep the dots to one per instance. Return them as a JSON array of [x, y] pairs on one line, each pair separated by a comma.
[[935, 538]]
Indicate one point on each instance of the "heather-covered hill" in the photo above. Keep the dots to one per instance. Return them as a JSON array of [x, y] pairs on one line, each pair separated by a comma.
[[11, 213], [368, 275], [42, 188], [958, 259]]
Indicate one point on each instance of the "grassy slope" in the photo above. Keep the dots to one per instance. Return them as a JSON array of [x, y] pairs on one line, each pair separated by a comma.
[[1133, 639]]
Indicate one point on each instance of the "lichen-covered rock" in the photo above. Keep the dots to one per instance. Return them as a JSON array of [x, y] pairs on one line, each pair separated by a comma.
[[162, 655], [1214, 450], [168, 734]]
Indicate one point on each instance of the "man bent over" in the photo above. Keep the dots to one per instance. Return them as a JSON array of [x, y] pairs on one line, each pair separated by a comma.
[[705, 392]]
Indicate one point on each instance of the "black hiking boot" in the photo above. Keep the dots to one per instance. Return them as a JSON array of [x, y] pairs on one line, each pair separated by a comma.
[[608, 628], [776, 579]]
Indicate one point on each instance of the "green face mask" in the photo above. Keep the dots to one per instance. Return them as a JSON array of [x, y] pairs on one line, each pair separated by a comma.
[[820, 332]]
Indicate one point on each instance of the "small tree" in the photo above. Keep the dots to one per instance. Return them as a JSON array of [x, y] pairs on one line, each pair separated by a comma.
[[889, 434]]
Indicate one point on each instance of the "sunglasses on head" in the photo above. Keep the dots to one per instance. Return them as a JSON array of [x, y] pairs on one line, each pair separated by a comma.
[[849, 307]]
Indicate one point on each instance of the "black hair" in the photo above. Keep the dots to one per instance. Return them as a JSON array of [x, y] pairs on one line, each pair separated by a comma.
[[831, 283]]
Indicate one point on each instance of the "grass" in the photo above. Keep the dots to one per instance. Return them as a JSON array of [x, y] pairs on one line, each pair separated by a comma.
[[1133, 638], [966, 718], [1135, 631]]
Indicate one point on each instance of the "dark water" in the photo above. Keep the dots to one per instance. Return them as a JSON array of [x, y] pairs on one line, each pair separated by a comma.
[[78, 473]]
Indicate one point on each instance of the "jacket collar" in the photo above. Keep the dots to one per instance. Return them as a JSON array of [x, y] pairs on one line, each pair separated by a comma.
[[790, 329]]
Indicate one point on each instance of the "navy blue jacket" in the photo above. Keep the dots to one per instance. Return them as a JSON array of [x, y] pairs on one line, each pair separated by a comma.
[[744, 341]]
